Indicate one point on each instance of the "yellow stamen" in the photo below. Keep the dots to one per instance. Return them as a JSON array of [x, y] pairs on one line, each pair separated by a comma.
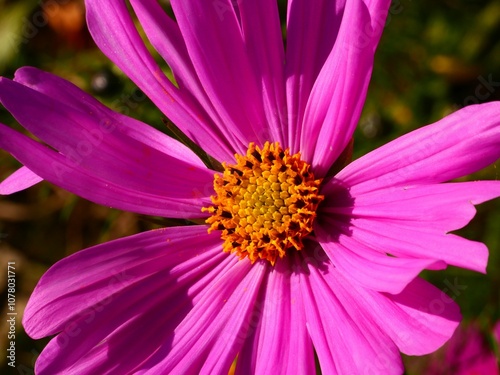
[[265, 204]]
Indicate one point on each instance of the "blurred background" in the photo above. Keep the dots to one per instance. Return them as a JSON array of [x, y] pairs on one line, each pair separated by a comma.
[[434, 57]]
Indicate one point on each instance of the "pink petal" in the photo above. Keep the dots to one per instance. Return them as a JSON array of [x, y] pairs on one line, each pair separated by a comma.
[[278, 341], [100, 313], [440, 207], [165, 35], [56, 168], [467, 353], [101, 159], [214, 41], [417, 321], [460, 144], [345, 337], [66, 93], [408, 241], [311, 34], [124, 262], [262, 35], [210, 336], [114, 32], [371, 269], [21, 179], [338, 94], [411, 223], [101, 336]]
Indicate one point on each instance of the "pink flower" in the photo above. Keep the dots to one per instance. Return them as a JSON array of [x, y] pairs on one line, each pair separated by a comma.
[[315, 261], [467, 353]]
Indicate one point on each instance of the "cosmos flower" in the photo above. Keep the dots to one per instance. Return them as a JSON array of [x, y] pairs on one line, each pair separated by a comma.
[[292, 255], [468, 352]]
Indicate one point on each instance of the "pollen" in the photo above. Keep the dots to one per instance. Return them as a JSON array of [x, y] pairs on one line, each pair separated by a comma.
[[265, 204]]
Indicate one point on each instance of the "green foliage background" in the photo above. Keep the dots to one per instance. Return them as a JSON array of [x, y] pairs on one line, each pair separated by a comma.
[[432, 60]]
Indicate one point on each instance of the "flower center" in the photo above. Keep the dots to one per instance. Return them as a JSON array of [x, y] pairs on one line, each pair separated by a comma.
[[265, 204]]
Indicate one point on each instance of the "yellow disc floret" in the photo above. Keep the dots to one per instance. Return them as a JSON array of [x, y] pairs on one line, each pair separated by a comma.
[[265, 204]]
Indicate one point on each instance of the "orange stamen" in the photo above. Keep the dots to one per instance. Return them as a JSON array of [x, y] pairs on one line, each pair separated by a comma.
[[265, 204]]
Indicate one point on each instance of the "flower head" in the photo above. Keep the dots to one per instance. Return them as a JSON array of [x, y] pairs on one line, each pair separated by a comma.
[[265, 204], [291, 258]]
